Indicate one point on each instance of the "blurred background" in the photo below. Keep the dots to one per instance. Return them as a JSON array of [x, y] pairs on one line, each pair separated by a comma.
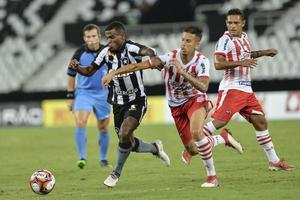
[[38, 38]]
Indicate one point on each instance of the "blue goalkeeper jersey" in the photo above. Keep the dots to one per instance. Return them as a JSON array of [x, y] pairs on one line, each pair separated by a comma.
[[93, 83]]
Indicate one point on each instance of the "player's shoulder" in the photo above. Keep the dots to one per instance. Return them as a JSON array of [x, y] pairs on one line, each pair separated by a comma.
[[244, 35], [82, 48], [200, 57], [225, 36], [173, 53], [133, 43]]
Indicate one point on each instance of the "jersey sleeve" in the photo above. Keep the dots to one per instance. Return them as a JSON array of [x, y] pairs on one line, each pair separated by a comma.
[[203, 67], [76, 55], [223, 46], [101, 58], [165, 58]]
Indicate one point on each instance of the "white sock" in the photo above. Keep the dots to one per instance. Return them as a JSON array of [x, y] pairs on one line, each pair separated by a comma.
[[205, 152], [208, 130], [265, 141]]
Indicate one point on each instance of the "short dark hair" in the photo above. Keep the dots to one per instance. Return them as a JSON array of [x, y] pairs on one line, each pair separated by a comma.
[[194, 30], [235, 11], [118, 26], [89, 27]]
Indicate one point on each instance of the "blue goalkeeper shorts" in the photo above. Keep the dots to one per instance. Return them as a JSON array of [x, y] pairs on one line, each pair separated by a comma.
[[92, 101]]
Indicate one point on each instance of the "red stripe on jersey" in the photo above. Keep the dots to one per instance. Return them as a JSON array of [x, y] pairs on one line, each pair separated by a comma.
[[227, 33], [195, 91], [167, 85], [177, 77], [229, 72], [171, 72], [238, 54], [220, 53], [202, 76], [174, 53], [188, 68], [198, 56], [247, 44], [193, 70]]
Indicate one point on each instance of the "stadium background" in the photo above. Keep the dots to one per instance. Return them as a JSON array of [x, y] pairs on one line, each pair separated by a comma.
[[37, 39]]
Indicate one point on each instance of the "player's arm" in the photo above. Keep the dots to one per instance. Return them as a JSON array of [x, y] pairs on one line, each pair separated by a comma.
[[146, 51], [86, 71], [200, 84], [93, 67], [70, 92], [221, 63], [154, 62], [70, 87], [266, 52]]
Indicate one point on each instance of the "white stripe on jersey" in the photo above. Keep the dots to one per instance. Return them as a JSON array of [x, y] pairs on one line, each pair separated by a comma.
[[235, 49]]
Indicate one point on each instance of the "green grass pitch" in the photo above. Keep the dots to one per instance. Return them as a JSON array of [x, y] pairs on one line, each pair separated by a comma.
[[246, 177]]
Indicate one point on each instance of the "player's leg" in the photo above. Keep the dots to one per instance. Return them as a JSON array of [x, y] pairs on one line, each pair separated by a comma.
[[137, 111], [81, 118], [103, 141], [82, 109], [132, 115], [204, 146], [228, 103], [183, 128], [264, 139], [102, 113]]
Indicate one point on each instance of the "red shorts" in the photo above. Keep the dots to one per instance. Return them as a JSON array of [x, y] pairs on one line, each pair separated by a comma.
[[183, 113], [230, 102]]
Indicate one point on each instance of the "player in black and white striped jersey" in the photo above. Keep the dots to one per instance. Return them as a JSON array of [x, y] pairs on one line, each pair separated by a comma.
[[126, 94]]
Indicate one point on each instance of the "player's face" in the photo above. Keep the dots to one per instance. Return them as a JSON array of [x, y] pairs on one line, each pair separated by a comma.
[[114, 39], [189, 43], [92, 39], [235, 25]]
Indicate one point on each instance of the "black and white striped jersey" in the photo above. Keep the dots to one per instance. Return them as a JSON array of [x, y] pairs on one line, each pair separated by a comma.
[[123, 88]]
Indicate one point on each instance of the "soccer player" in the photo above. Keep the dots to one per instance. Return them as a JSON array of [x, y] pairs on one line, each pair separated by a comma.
[[186, 75], [87, 95], [234, 55], [126, 94]]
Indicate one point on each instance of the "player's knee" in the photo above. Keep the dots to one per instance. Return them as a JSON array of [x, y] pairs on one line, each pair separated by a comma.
[[81, 123], [124, 136], [219, 123], [197, 133], [191, 148]]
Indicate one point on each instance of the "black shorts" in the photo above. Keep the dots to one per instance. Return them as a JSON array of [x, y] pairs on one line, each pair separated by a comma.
[[136, 109]]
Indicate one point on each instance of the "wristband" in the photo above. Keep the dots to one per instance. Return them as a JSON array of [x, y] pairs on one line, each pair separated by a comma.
[[70, 95]]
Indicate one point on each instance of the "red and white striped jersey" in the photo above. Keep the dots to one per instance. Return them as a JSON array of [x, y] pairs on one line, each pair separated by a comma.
[[235, 49], [178, 90]]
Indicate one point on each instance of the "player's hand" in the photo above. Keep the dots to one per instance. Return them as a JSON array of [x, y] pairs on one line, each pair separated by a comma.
[[106, 79], [249, 62], [74, 64], [271, 52], [70, 104], [178, 66]]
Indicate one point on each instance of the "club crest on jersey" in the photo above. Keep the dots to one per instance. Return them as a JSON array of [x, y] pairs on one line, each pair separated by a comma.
[[125, 61]]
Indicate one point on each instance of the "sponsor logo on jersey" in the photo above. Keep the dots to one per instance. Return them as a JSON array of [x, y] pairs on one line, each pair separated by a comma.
[[246, 83]]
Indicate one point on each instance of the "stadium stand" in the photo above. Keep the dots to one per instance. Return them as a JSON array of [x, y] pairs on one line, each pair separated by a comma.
[[38, 37]]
